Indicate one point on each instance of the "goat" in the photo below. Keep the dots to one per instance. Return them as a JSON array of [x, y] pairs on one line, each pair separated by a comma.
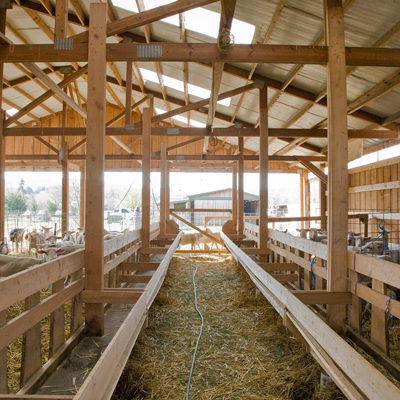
[[17, 237], [12, 265]]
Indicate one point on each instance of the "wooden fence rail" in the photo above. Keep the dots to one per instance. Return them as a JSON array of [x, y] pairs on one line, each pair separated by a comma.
[[31, 287], [369, 279], [351, 372]]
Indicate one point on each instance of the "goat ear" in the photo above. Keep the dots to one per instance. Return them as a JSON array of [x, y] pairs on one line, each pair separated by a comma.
[[42, 251], [60, 251]]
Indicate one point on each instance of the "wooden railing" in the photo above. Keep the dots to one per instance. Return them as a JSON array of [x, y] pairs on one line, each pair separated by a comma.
[[44, 291], [368, 279], [103, 378], [357, 378]]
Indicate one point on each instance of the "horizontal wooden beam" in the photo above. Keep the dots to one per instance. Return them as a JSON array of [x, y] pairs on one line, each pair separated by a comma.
[[322, 296], [212, 251], [271, 267], [285, 277], [375, 186], [200, 52], [139, 266], [136, 129], [210, 210], [171, 157], [134, 278], [114, 296]]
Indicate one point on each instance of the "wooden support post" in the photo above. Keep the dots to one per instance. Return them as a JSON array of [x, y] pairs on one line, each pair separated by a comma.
[[2, 174], [146, 182], [128, 93], [234, 196], [379, 334], [307, 198], [301, 199], [61, 24], [164, 209], [3, 314], [82, 195], [64, 188], [322, 203], [3, 13], [95, 135], [167, 194], [240, 188], [31, 346], [263, 163], [337, 158], [57, 322]]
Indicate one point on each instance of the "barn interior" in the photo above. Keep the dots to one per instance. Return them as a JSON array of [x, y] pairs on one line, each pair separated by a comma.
[[280, 86]]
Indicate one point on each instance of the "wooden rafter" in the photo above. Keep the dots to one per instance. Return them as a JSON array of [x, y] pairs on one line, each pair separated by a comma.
[[378, 90], [185, 65], [45, 96], [157, 65], [232, 70], [314, 169], [271, 27]]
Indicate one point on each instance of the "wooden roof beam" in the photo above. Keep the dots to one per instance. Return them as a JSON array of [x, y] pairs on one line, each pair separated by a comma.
[[378, 90], [205, 52], [225, 23], [202, 103], [274, 21], [61, 23], [55, 88], [185, 66], [78, 11], [231, 131], [314, 169], [24, 110], [157, 65]]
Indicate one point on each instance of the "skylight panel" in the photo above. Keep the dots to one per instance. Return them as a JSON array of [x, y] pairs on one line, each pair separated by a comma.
[[205, 22], [178, 85], [11, 111], [129, 5]]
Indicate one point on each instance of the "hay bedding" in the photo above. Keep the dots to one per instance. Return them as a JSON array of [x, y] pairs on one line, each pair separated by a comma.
[[245, 352]]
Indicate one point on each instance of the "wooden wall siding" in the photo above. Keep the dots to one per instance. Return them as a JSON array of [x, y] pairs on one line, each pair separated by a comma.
[[380, 202], [29, 145]]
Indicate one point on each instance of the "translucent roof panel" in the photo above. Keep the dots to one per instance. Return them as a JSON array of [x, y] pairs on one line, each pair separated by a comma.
[[178, 85], [181, 118], [198, 20]]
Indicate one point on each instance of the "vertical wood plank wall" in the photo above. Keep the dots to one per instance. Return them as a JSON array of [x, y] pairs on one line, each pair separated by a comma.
[[382, 202]]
